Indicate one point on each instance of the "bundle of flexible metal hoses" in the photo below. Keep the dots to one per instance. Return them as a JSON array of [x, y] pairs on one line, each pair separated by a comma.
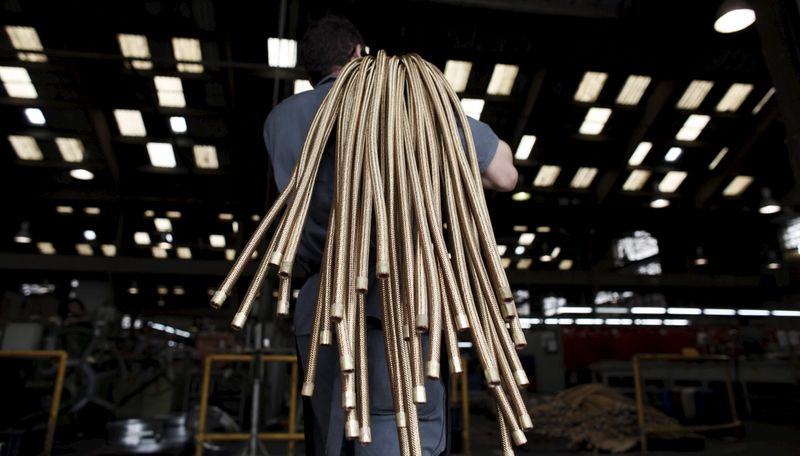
[[402, 172]]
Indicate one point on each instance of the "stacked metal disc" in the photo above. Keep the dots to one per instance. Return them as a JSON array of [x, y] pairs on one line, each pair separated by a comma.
[[408, 195]]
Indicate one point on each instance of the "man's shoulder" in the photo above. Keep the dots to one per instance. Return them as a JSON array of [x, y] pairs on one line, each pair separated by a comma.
[[302, 104]]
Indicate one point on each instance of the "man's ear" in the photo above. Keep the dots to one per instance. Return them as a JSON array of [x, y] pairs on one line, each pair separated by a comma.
[[356, 52]]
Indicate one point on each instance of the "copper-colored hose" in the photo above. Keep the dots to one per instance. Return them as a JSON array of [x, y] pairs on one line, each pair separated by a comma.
[[402, 168]]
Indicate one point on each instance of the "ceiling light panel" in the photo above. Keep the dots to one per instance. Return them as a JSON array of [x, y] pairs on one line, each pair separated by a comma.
[[472, 107], [130, 122], [163, 225], [583, 177], [692, 127], [694, 94], [546, 176], [595, 121], [17, 82], [161, 155], [141, 238], [24, 38], [135, 47], [170, 91], [673, 154], [714, 163], [71, 149], [672, 181], [302, 85], [633, 90], [734, 97], [502, 80], [590, 86], [457, 74], [282, 53], [205, 156], [525, 147], [738, 185], [35, 116], [526, 239], [25, 147], [636, 180], [760, 105], [187, 50]]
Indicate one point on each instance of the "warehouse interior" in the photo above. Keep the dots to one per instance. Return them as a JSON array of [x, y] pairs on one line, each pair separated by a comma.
[[652, 242]]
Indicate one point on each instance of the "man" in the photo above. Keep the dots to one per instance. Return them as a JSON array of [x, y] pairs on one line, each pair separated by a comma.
[[327, 46]]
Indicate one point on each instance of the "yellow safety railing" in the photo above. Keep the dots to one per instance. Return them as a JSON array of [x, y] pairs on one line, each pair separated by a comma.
[[291, 436], [644, 429], [61, 355]]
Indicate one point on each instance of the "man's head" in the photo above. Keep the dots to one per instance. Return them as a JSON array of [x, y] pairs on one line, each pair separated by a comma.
[[327, 45]]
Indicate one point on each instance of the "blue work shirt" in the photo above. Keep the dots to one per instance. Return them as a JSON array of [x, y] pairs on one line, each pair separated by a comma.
[[285, 132]]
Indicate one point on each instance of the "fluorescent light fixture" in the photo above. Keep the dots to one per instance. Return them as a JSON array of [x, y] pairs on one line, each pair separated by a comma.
[[230, 254], [46, 248], [738, 185], [659, 203], [205, 156], [672, 181], [141, 238], [618, 321], [25, 147], [519, 250], [282, 52], [464, 344], [81, 174], [216, 240], [71, 149], [24, 38], [521, 196], [457, 74], [543, 229], [184, 253], [753, 312], [719, 312], [556, 252], [546, 176], [158, 252], [170, 91], [648, 310], [786, 313], [735, 20], [649, 322], [640, 153], [524, 263], [501, 249], [130, 122], [684, 311], [109, 250], [35, 116], [734, 97], [135, 47], [583, 177], [17, 82], [595, 120], [502, 80], [525, 147], [520, 228], [692, 128], [695, 94], [187, 50], [633, 90], [89, 235], [764, 100], [161, 155], [715, 162], [64, 209], [506, 262], [179, 291], [636, 180], [225, 216], [92, 210], [178, 124], [84, 249], [673, 154], [588, 321], [676, 322], [590, 86], [565, 321], [174, 214], [163, 225], [565, 265], [302, 85], [526, 238], [611, 310], [551, 321], [472, 107], [149, 213], [574, 310]]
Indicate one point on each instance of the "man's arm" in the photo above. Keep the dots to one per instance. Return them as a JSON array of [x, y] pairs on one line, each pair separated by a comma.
[[501, 175]]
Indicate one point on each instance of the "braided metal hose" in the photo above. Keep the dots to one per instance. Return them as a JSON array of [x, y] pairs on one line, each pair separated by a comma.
[[403, 172]]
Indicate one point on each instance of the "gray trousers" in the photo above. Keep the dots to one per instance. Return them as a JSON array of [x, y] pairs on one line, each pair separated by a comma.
[[329, 417]]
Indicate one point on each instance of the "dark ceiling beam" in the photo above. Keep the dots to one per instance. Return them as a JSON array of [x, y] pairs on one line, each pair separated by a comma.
[[778, 26], [653, 107], [615, 279], [576, 8]]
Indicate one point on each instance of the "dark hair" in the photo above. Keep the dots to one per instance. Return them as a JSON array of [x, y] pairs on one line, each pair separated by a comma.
[[328, 43]]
